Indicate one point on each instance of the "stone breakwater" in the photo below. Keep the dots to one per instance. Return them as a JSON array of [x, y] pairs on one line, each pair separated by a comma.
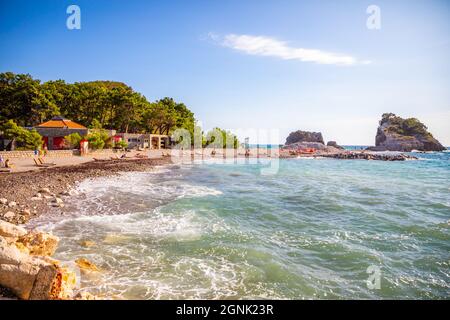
[[24, 195], [369, 156]]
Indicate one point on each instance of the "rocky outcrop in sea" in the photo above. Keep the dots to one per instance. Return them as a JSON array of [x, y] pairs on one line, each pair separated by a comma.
[[304, 136], [397, 134], [334, 144]]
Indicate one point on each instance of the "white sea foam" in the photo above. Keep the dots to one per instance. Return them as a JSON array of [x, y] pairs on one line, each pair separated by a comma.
[[143, 184]]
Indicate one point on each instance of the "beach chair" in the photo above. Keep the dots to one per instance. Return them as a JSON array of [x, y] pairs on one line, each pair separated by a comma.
[[38, 164], [42, 161], [141, 156]]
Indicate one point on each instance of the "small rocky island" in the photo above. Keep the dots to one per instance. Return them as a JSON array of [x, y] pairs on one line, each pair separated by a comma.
[[405, 135], [310, 140], [311, 144]]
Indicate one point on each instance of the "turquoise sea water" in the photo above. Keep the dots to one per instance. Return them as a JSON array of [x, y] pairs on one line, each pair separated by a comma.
[[224, 230]]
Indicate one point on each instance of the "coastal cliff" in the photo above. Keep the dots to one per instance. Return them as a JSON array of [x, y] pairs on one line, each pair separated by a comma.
[[397, 134]]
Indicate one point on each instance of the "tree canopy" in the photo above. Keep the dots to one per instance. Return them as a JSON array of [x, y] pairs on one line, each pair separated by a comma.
[[113, 105], [96, 104], [409, 126]]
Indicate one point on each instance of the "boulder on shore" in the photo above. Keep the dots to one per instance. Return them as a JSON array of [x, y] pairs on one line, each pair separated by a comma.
[[398, 134], [26, 268]]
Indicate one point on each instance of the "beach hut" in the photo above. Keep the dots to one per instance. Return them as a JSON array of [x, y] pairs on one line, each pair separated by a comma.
[[54, 131]]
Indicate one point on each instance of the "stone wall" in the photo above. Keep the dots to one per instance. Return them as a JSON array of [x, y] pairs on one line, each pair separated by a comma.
[[30, 154], [54, 153], [102, 152]]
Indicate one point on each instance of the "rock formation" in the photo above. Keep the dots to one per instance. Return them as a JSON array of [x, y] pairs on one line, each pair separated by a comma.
[[397, 134], [26, 268], [334, 144], [304, 136]]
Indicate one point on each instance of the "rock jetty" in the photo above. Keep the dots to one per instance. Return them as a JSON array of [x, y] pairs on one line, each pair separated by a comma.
[[369, 156]]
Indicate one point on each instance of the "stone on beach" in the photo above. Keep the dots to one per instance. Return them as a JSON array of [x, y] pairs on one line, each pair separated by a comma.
[[9, 215], [45, 191], [57, 200], [38, 243], [85, 265], [87, 243], [9, 230], [25, 212], [85, 296], [32, 276], [3, 201], [12, 204]]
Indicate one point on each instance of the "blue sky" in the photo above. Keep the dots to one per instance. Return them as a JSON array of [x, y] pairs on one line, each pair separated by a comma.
[[287, 65]]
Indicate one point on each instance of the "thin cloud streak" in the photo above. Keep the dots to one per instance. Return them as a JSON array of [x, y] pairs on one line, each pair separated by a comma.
[[271, 47]]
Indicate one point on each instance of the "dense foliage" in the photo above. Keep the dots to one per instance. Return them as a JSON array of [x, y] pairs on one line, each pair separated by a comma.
[[113, 105], [24, 139], [219, 138], [408, 127], [96, 105]]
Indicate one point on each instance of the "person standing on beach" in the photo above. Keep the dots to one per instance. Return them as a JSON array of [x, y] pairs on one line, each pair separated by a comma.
[[1, 161]]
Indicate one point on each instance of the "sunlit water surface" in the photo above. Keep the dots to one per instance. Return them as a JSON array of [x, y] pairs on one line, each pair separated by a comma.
[[225, 231]]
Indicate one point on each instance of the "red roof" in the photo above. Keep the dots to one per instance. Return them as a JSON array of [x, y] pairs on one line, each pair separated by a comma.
[[59, 122]]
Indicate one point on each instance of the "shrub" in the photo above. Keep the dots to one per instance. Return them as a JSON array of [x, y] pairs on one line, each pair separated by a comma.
[[121, 144], [73, 140], [95, 140]]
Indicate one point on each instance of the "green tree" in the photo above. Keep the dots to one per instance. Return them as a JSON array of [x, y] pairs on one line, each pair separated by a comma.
[[219, 138], [96, 104], [23, 138], [96, 140], [121, 144]]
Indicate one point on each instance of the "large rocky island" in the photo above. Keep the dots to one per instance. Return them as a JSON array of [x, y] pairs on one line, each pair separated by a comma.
[[398, 134]]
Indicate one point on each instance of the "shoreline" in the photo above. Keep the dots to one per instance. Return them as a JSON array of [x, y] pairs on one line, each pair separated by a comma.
[[27, 195]]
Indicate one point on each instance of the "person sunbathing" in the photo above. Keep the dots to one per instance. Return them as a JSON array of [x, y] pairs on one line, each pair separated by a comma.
[[8, 164]]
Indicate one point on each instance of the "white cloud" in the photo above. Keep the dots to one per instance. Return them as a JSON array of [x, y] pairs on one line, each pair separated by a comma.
[[271, 47]]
